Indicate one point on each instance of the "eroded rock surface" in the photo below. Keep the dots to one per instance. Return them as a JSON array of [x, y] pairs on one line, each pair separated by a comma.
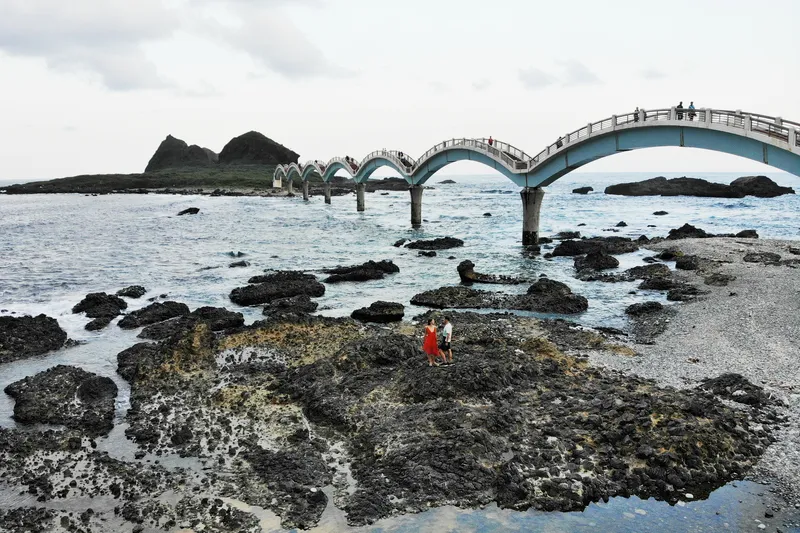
[[363, 272], [26, 336], [380, 312], [466, 271], [282, 284], [155, 312], [440, 243]]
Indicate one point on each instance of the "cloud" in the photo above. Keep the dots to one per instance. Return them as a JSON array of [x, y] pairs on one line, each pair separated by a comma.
[[652, 74], [482, 84], [102, 37], [576, 73], [534, 78]]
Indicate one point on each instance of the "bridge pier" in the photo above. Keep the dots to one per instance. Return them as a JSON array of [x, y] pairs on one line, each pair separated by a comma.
[[305, 190], [289, 186], [416, 205], [531, 205], [360, 190], [327, 192]]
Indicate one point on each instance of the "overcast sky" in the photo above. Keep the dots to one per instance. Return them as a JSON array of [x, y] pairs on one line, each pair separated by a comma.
[[93, 86]]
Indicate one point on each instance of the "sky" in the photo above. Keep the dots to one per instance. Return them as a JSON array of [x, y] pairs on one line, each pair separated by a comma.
[[93, 86]]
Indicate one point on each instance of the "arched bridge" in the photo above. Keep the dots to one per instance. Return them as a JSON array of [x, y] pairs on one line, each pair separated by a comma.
[[770, 140]]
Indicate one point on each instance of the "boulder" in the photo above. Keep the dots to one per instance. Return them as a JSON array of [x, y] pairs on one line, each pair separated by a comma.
[[26, 336], [760, 186], [218, 318], [68, 396], [662, 186], [768, 258], [255, 148], [168, 329], [446, 182], [189, 211], [660, 213], [550, 296], [608, 245], [687, 231], [440, 243], [100, 305], [363, 272], [380, 312], [300, 304], [487, 214], [684, 293], [423, 253], [456, 297], [98, 323], [718, 279], [621, 224], [175, 153], [282, 284], [400, 243], [687, 262], [644, 308], [582, 190], [747, 234], [134, 291], [239, 264], [597, 260], [155, 312], [468, 275]]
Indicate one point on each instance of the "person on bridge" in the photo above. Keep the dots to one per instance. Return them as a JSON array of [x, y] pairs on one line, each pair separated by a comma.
[[692, 114], [680, 110], [559, 144], [636, 114], [430, 346], [491, 141]]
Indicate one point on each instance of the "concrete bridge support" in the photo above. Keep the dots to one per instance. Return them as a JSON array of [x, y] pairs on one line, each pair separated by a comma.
[[531, 205], [305, 191], [289, 186], [360, 190], [327, 192], [416, 205]]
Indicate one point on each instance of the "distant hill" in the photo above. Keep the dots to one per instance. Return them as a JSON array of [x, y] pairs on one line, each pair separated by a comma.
[[175, 153]]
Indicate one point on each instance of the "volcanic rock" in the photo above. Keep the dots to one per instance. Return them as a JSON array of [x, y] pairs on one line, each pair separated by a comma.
[[687, 231], [608, 245], [423, 253], [747, 234], [189, 211], [660, 213], [760, 186], [582, 190], [737, 388], [134, 291], [26, 336], [67, 396], [380, 312], [363, 272], [255, 148], [597, 260], [468, 275], [239, 264], [687, 262], [280, 284], [564, 235], [621, 224], [300, 304], [440, 243], [155, 312], [643, 308], [718, 280], [100, 305], [768, 258]]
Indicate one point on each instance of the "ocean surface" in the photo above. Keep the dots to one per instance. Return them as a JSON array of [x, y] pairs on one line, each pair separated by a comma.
[[54, 249]]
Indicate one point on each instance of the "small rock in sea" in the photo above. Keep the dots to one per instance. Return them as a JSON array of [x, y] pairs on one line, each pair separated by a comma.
[[643, 308], [687, 231], [189, 211], [440, 243], [582, 190], [660, 213], [452, 257], [733, 294], [794, 251], [621, 224], [487, 214], [447, 182], [384, 194], [651, 225], [134, 291], [238, 254], [400, 243], [747, 234], [423, 253], [239, 264], [581, 224]]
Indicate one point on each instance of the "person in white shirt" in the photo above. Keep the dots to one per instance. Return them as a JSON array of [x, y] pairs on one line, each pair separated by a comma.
[[445, 348]]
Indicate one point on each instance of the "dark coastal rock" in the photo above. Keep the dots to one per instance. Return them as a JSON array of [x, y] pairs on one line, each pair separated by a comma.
[[139, 359], [468, 275], [643, 239], [98, 323], [255, 148], [300, 304], [171, 328], [26, 336], [670, 254], [423, 253], [662, 186], [155, 312], [654, 270], [621, 224], [363, 272], [175, 153], [487, 214], [400, 243], [102, 306], [644, 308], [564, 235], [748, 234], [718, 279], [65, 395], [550, 296], [767, 258], [446, 182], [684, 293], [281, 284], [687, 262], [737, 388], [660, 213], [134, 291], [608, 245], [380, 312], [582, 190], [687, 231], [189, 211], [597, 260], [239, 264], [218, 318], [440, 243], [456, 298], [760, 186]]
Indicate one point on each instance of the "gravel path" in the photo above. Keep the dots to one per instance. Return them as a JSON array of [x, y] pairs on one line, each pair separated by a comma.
[[755, 332]]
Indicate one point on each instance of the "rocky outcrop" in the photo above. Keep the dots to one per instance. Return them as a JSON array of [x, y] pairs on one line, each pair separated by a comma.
[[607, 245], [687, 231], [282, 284], [597, 260], [26, 336], [737, 388], [760, 186], [466, 271], [300, 304], [747, 234], [255, 148], [582, 190], [102, 307], [644, 308], [189, 211], [216, 318], [155, 312], [363, 272], [65, 395], [440, 243], [175, 153], [550, 296], [380, 312], [134, 291]]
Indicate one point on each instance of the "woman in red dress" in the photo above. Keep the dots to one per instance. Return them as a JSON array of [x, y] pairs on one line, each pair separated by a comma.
[[431, 345]]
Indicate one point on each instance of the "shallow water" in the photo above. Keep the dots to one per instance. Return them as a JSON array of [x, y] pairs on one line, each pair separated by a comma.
[[56, 248]]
